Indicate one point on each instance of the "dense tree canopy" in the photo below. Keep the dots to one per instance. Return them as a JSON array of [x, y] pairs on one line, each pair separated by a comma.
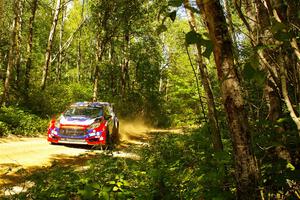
[[229, 67]]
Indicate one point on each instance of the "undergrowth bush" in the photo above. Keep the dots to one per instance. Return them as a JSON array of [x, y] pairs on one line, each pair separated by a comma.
[[4, 129], [278, 155], [14, 120], [55, 98], [186, 167]]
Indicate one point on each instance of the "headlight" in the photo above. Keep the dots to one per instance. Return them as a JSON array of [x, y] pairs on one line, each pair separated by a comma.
[[94, 125], [57, 124]]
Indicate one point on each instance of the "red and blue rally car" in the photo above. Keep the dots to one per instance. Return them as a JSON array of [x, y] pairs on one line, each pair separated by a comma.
[[91, 123]]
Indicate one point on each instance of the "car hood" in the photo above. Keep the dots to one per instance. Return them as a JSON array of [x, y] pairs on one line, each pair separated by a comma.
[[76, 120]]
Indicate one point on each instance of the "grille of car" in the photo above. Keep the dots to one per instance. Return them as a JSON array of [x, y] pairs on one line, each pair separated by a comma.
[[72, 132]]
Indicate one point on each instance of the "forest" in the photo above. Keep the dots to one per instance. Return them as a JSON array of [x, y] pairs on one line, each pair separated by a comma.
[[226, 72]]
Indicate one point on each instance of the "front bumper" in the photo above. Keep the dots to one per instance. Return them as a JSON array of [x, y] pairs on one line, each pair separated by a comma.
[[87, 139], [66, 140]]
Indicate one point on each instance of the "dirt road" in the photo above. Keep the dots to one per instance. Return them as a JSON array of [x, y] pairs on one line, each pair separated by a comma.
[[33, 151], [19, 156]]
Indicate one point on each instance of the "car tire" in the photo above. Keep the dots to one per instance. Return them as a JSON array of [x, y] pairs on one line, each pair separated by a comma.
[[109, 143], [116, 137]]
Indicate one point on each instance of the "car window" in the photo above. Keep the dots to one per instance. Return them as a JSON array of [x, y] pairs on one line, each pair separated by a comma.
[[91, 112]]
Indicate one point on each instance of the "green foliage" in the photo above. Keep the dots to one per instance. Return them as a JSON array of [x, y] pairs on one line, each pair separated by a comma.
[[172, 15], [185, 167], [57, 97], [253, 74], [4, 129], [161, 28], [19, 122], [193, 37], [175, 3], [277, 156]]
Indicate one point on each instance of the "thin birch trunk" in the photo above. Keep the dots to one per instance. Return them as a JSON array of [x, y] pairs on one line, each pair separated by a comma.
[[229, 22], [49, 46], [18, 47], [112, 70], [212, 116], [100, 47], [1, 31], [29, 47], [13, 52], [79, 57], [60, 53], [295, 118], [125, 66]]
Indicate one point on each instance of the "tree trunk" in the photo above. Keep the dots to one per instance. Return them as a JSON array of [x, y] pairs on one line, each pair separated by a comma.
[[258, 29], [212, 112], [96, 70], [125, 66], [197, 85], [246, 171], [49, 46], [1, 12], [18, 48], [14, 53], [263, 36], [67, 44], [61, 35], [230, 24], [295, 118], [29, 48], [96, 80], [273, 101], [286, 13], [1, 34], [79, 57], [100, 49], [112, 70], [79, 60]]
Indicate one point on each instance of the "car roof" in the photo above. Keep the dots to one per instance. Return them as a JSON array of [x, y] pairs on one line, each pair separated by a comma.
[[90, 104]]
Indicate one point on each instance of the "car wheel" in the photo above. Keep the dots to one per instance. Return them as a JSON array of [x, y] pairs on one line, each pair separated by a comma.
[[115, 134], [109, 143]]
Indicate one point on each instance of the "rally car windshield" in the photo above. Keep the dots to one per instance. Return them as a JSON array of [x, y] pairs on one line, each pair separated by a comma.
[[91, 112]]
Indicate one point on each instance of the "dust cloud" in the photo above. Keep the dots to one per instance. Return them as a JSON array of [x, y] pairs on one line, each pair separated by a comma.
[[134, 131]]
